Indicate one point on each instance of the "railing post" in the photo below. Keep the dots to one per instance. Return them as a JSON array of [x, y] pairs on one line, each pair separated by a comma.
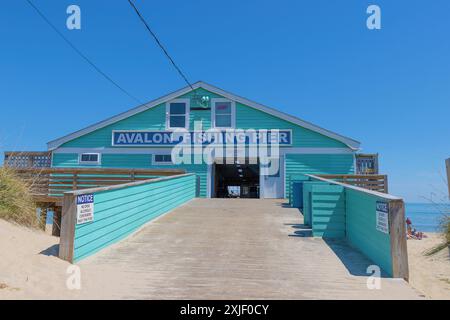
[[197, 186], [74, 181], [386, 184], [397, 232], [68, 220]]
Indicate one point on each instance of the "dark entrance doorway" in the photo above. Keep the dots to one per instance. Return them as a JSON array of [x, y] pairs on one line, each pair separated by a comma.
[[236, 180]]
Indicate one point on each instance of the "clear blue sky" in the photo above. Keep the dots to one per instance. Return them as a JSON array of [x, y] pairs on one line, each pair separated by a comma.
[[389, 89]]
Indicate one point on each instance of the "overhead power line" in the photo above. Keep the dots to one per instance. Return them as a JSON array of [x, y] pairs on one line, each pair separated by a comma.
[[81, 54], [160, 44]]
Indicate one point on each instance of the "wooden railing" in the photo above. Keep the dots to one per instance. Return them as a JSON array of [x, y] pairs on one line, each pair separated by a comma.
[[375, 182], [49, 184], [385, 244], [28, 159]]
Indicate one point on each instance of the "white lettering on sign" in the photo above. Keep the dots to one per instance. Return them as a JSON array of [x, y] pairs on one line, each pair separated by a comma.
[[382, 214], [85, 208]]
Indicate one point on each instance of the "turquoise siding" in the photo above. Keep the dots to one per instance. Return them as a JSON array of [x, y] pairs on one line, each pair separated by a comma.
[[307, 214], [334, 211], [299, 164], [65, 160], [200, 170], [119, 212], [70, 160], [328, 211], [200, 115], [361, 230], [152, 119], [246, 118], [250, 118]]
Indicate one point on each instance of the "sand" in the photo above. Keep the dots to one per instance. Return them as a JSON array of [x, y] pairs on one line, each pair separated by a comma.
[[429, 275], [25, 272], [30, 269]]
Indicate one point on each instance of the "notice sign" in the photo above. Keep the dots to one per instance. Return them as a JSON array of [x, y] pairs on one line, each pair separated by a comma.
[[383, 217], [85, 208]]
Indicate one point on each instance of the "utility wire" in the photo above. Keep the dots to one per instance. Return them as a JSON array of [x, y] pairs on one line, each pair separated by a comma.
[[81, 54], [160, 44]]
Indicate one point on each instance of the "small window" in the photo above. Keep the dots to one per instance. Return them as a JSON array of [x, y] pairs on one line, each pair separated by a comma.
[[177, 114], [162, 159], [90, 158], [223, 114]]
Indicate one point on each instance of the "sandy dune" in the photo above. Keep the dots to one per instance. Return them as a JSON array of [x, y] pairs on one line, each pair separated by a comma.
[[429, 275], [24, 271]]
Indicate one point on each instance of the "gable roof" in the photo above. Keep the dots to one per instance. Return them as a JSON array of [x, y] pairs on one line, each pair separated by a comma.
[[353, 144]]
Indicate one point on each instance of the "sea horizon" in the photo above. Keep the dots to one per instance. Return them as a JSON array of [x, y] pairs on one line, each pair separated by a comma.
[[426, 216]]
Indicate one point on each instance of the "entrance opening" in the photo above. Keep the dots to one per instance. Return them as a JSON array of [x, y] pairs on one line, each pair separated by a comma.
[[236, 180]]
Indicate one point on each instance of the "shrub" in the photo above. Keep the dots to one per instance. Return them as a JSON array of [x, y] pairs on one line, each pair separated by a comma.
[[16, 202], [445, 230]]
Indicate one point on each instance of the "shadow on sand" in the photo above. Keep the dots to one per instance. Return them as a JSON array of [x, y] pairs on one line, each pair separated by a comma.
[[51, 251]]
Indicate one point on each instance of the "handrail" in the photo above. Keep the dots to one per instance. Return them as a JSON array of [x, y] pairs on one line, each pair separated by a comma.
[[376, 182], [47, 183], [396, 257], [98, 171], [125, 185], [357, 188], [27, 159]]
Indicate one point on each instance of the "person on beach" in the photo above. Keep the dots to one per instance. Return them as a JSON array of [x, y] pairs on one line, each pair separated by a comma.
[[412, 233]]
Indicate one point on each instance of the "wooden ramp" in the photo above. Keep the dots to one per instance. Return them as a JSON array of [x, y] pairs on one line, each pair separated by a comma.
[[232, 249]]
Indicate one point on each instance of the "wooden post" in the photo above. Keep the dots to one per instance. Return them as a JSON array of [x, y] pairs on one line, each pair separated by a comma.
[[397, 232], [56, 231], [386, 190], [197, 186], [43, 215], [447, 164], [75, 176], [68, 220]]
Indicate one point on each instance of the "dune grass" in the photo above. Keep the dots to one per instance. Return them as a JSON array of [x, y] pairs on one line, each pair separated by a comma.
[[16, 202], [445, 230]]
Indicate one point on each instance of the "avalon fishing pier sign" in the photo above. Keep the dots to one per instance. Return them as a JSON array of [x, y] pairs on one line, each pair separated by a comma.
[[172, 138]]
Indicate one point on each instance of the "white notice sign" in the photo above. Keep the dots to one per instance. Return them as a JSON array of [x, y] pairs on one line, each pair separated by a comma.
[[85, 208], [382, 217]]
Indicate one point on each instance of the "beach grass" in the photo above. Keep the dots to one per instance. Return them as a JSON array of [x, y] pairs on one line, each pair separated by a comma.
[[445, 230], [16, 202]]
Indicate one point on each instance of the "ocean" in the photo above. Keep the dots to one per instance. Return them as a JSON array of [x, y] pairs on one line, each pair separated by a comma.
[[426, 216]]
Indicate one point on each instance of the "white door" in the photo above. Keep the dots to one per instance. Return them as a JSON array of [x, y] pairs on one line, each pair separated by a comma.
[[271, 183]]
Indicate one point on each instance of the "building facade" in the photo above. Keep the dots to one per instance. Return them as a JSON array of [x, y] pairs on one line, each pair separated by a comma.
[[138, 138]]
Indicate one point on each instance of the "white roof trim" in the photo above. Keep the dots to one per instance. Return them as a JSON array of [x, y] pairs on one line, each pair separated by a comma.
[[353, 144]]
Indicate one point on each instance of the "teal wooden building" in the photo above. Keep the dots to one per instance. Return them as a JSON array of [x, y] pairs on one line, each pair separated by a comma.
[[310, 149]]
